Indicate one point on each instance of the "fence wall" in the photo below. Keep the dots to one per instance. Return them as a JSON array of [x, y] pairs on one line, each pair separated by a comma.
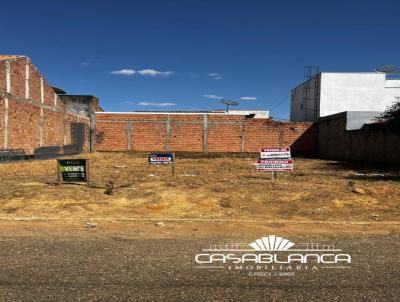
[[374, 145], [199, 133]]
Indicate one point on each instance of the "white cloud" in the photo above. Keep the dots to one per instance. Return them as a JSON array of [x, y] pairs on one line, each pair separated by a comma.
[[213, 96], [215, 75], [144, 72], [248, 98], [154, 73], [156, 104], [125, 72]]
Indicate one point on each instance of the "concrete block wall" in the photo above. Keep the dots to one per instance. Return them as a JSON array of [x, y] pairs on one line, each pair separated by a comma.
[[32, 116], [199, 133], [374, 145], [81, 105]]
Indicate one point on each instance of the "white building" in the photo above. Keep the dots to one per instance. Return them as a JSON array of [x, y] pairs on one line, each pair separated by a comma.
[[254, 113], [329, 93]]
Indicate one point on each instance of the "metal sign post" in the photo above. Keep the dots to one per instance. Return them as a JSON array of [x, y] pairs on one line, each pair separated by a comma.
[[274, 160]]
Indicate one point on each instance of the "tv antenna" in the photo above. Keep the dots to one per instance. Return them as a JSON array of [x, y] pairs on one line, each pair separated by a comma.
[[389, 69], [229, 103]]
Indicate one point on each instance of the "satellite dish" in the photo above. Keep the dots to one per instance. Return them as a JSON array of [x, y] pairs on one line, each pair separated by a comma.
[[229, 103], [390, 69]]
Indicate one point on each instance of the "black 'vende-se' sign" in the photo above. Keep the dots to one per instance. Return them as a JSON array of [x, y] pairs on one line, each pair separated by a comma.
[[157, 159], [161, 158], [73, 170]]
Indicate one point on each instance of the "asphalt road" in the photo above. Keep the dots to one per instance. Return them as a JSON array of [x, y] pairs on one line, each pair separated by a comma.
[[115, 268]]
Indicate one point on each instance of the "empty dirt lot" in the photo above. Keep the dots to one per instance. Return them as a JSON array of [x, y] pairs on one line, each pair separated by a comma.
[[218, 187]]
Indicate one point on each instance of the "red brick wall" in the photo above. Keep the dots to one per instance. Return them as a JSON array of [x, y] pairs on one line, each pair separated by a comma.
[[148, 132], [186, 136], [24, 114], [53, 128], [224, 137], [146, 136], [34, 83], [23, 127], [17, 71], [1, 121], [2, 75]]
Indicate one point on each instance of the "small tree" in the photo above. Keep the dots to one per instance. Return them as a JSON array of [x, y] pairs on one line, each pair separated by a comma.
[[392, 114]]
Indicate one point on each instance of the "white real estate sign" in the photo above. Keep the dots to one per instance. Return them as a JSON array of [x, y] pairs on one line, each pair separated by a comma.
[[273, 153], [275, 160]]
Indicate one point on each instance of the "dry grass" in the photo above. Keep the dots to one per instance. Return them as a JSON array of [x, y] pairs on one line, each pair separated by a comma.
[[219, 187]]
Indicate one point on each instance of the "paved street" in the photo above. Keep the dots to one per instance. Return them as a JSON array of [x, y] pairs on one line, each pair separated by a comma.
[[106, 267]]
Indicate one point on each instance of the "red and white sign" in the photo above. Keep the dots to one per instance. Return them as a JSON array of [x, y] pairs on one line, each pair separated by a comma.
[[270, 153], [275, 165], [161, 158]]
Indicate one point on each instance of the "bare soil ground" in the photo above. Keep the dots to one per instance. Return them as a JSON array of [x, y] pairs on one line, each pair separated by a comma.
[[216, 188]]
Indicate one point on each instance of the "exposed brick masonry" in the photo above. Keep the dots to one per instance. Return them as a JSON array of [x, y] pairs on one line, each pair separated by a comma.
[[199, 133], [31, 114]]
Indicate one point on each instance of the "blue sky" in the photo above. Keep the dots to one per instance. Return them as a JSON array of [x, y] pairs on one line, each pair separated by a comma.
[[186, 54]]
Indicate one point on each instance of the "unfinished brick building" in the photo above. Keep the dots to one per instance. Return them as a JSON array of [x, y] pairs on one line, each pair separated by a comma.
[[33, 119]]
